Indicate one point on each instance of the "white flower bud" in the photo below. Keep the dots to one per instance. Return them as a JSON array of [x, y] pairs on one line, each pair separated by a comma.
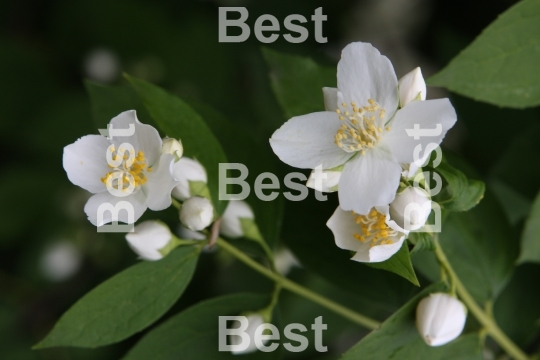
[[60, 261], [254, 321], [186, 170], [148, 239], [196, 213], [410, 209], [173, 147], [412, 87], [328, 182], [284, 261], [440, 318], [230, 222]]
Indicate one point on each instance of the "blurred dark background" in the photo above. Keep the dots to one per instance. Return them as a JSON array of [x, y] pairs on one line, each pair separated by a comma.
[[50, 255]]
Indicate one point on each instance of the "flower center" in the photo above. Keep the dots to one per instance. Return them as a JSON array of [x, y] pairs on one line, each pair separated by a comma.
[[362, 126], [373, 228], [131, 170]]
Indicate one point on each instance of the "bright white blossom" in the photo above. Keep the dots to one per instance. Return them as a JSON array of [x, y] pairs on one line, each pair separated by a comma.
[[196, 213], [142, 176], [254, 321], [411, 207], [173, 147], [187, 170], [60, 261], [440, 318], [149, 238], [374, 237], [366, 132], [412, 87], [230, 222]]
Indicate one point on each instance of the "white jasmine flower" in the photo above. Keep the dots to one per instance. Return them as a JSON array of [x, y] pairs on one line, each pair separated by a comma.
[[187, 170], [374, 237], [254, 321], [366, 133], [440, 318], [142, 177], [196, 213], [149, 240], [412, 87], [230, 222], [411, 207], [173, 147], [60, 261]]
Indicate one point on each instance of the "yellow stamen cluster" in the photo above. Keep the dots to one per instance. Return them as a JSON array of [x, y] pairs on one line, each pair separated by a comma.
[[134, 174], [373, 229], [362, 126]]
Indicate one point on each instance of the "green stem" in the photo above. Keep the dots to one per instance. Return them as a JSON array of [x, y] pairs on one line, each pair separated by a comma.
[[176, 203], [299, 289], [485, 319]]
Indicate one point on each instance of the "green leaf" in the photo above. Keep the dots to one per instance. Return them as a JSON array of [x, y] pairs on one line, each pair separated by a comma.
[[461, 194], [397, 338], [126, 303], [199, 188], [250, 229], [178, 120], [297, 82], [482, 248], [530, 239], [399, 264], [109, 101], [193, 333], [501, 65], [421, 241], [257, 158]]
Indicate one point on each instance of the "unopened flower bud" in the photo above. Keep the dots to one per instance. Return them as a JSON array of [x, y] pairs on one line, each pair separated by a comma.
[[440, 318], [230, 222], [196, 213], [150, 239], [60, 261], [410, 209], [238, 345], [412, 87], [187, 171], [324, 180], [173, 147]]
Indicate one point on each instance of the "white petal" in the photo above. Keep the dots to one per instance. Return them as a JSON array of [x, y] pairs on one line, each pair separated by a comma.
[[186, 170], [230, 222], [308, 141], [429, 114], [85, 162], [369, 180], [327, 184], [412, 86], [344, 227], [146, 138], [363, 73], [330, 98], [160, 183], [148, 238], [378, 253], [137, 200]]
